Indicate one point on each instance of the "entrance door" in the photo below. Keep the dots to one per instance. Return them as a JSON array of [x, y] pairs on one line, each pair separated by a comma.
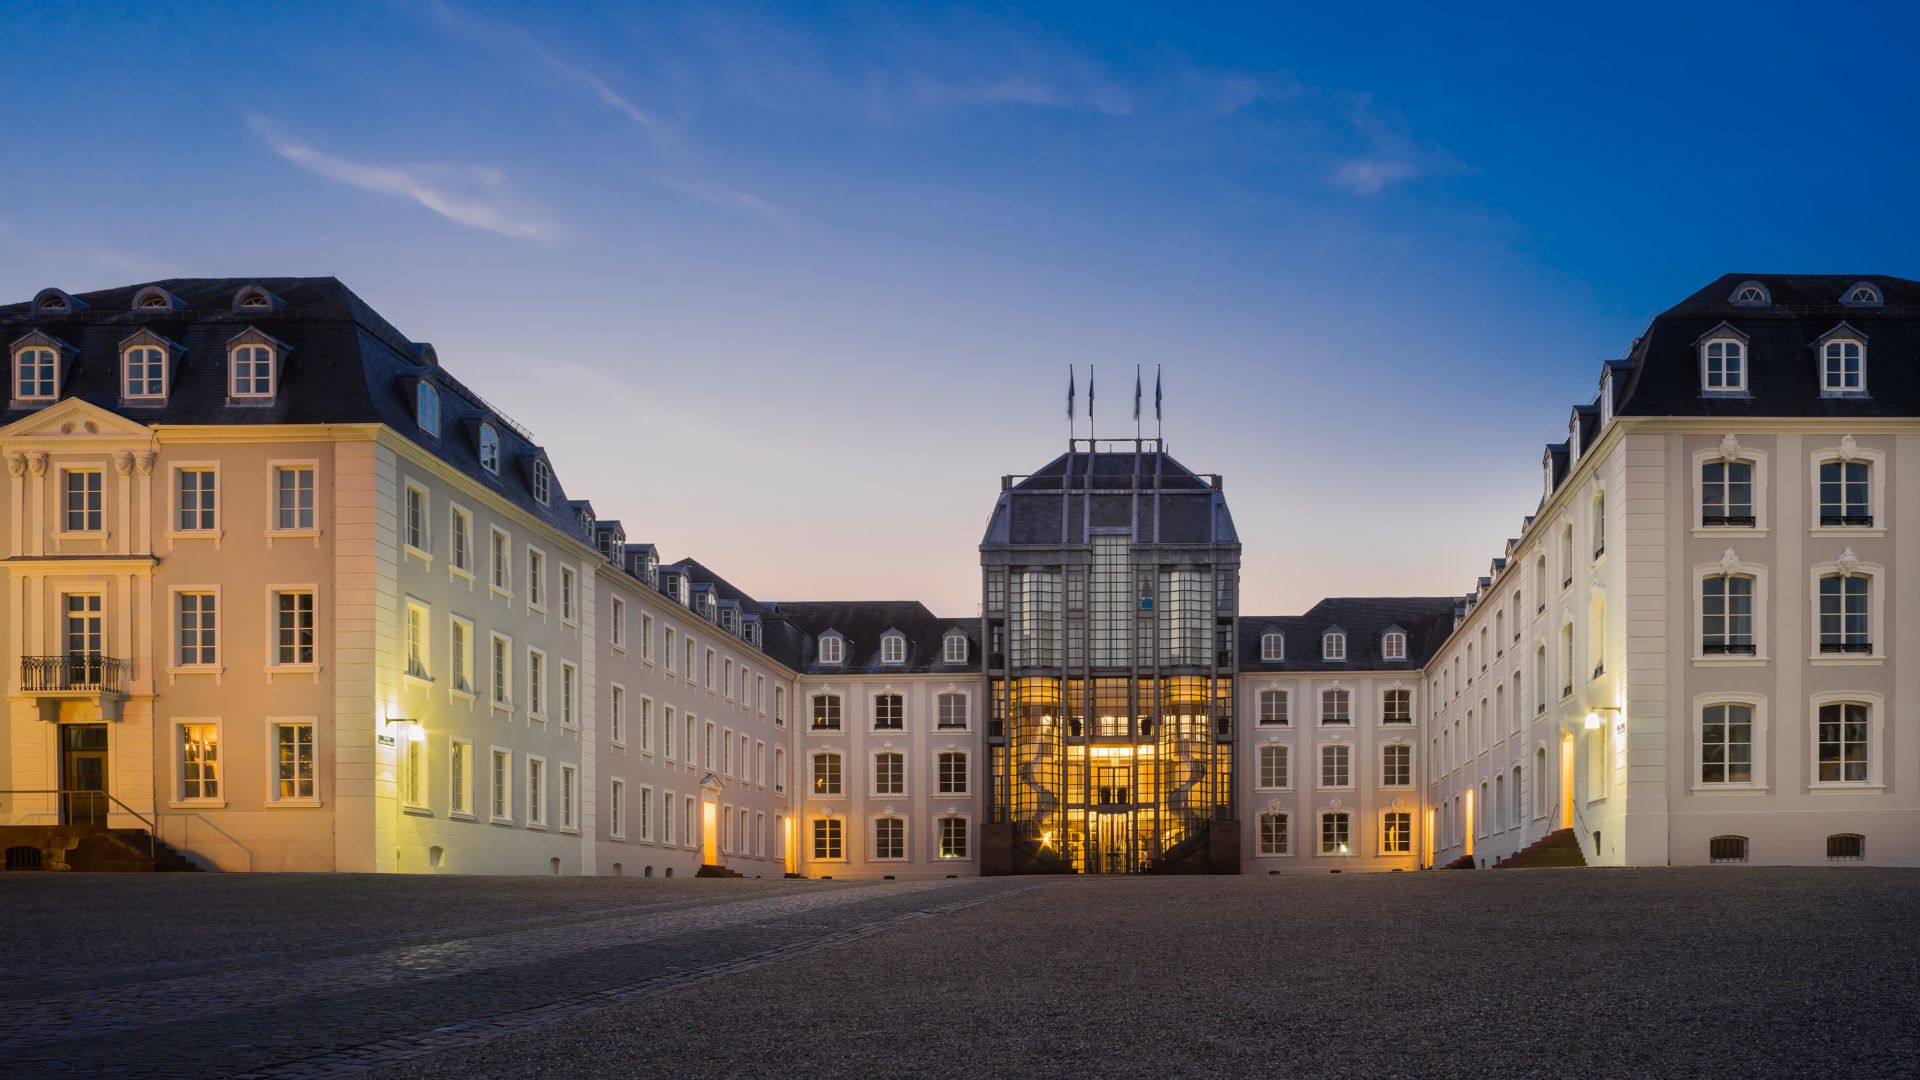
[[86, 639], [1113, 844], [83, 774]]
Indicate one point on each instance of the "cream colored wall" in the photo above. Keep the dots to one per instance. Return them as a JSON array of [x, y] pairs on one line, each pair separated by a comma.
[[642, 765], [920, 743]]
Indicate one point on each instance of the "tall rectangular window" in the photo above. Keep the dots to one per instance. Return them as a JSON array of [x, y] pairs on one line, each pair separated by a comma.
[[1336, 833], [460, 777], [536, 791], [1111, 592], [1396, 832], [1726, 614], [499, 794], [951, 770], [501, 577], [1396, 765], [1843, 614], [502, 673], [83, 500], [1843, 743], [417, 641], [1845, 490], [1336, 766], [1726, 493], [617, 624], [826, 839], [35, 375], [293, 497], [197, 626], [889, 838], [293, 627], [195, 500], [460, 654], [413, 788], [1396, 707], [1273, 766], [569, 796], [461, 550], [569, 691], [617, 807], [1726, 744], [569, 598], [617, 715], [1273, 708], [537, 684], [536, 578], [293, 762], [417, 518], [199, 761], [251, 369]]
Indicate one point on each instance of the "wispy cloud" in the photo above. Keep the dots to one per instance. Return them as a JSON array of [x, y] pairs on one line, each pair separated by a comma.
[[472, 195], [1022, 89], [1392, 156], [1370, 176]]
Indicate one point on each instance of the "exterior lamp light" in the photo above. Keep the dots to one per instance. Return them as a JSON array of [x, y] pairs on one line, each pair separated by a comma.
[[1046, 840], [1593, 718]]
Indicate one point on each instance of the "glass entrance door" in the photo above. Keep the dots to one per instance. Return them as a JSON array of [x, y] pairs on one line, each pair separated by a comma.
[[1113, 847], [83, 774], [86, 638]]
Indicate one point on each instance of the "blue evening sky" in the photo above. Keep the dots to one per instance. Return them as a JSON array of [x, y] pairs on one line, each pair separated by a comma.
[[789, 287]]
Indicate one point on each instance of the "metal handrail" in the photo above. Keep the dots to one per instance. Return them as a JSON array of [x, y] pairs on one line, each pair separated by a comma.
[[73, 671], [153, 829]]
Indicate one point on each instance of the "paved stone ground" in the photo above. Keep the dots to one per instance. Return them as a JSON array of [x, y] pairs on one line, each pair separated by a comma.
[[1710, 971]]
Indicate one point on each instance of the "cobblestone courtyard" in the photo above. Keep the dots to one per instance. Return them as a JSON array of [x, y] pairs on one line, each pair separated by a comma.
[[1720, 971]]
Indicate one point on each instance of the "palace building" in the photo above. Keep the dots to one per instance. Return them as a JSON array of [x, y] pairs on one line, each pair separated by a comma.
[[283, 593]]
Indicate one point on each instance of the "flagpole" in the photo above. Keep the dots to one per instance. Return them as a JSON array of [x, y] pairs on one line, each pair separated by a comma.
[[1159, 424]]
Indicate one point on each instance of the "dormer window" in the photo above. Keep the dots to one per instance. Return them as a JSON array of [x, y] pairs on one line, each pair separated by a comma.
[[55, 301], [955, 649], [254, 298], [832, 650], [36, 374], [542, 482], [1863, 294], [155, 298], [143, 373], [1393, 646], [1843, 367], [1333, 645], [1723, 366], [426, 408], [1273, 647], [1573, 442], [751, 631], [489, 448], [1751, 294], [1606, 400], [250, 373], [893, 649]]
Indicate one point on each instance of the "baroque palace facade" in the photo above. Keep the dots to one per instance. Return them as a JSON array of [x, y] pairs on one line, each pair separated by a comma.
[[283, 593]]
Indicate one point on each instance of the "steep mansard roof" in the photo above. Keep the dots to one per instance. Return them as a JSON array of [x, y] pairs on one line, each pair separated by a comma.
[[863, 623], [343, 364], [1427, 621], [1162, 500]]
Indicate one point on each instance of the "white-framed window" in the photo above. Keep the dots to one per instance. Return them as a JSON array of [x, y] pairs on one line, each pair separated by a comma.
[[617, 808], [196, 628], [1726, 494], [1843, 367], [84, 500], [666, 817], [293, 498], [950, 772], [726, 750], [489, 448], [417, 644], [197, 754], [1846, 492], [617, 714], [889, 712], [143, 373], [832, 649], [1396, 765], [646, 637], [542, 482], [645, 814], [250, 371], [1273, 833], [1726, 743], [536, 792], [196, 498], [955, 649], [1727, 614], [1723, 366], [1336, 765], [417, 536], [1845, 612], [294, 764], [829, 843], [413, 768], [1336, 706], [569, 594], [295, 619], [1396, 706], [952, 832], [617, 624], [951, 710], [889, 773], [1846, 740], [827, 779], [646, 725], [779, 769], [889, 838], [1863, 294], [1333, 645], [536, 684], [1599, 523], [667, 729], [426, 408], [460, 654], [460, 534], [500, 786], [1273, 765], [569, 695], [826, 712], [707, 672], [536, 579], [569, 798], [36, 374], [1273, 647], [1394, 645], [1396, 832], [893, 649], [500, 677], [500, 573], [1751, 294], [1336, 833], [1274, 708]]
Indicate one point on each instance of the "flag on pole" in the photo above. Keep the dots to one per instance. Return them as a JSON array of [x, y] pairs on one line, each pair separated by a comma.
[[1136, 393], [1089, 395], [1069, 393], [1156, 391]]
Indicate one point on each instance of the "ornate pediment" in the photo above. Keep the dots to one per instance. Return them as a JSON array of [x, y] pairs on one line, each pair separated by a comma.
[[73, 420]]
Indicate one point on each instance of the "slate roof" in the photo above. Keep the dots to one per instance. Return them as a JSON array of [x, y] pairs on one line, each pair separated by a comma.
[[1161, 500], [344, 364], [862, 623], [1428, 620]]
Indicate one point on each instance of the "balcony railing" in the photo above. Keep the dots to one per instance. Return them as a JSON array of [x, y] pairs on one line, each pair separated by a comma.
[[1831, 520], [78, 672], [1743, 520], [1727, 648], [1846, 646]]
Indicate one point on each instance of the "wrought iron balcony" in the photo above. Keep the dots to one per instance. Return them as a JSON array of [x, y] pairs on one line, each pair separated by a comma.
[[75, 673], [1742, 520], [1846, 646], [1728, 648], [1831, 520]]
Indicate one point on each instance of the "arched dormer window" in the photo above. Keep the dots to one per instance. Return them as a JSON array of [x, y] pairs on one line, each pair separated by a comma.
[[489, 448], [1750, 294], [954, 648], [38, 368], [1393, 644], [1723, 361], [144, 361], [893, 649], [426, 408], [1333, 645], [1843, 362], [1863, 294], [542, 481], [833, 648], [56, 302], [255, 298], [155, 298], [1606, 399], [1273, 647]]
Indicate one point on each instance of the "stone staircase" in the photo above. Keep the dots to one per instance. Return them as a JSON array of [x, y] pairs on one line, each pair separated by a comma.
[[1554, 849], [89, 849], [713, 870]]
